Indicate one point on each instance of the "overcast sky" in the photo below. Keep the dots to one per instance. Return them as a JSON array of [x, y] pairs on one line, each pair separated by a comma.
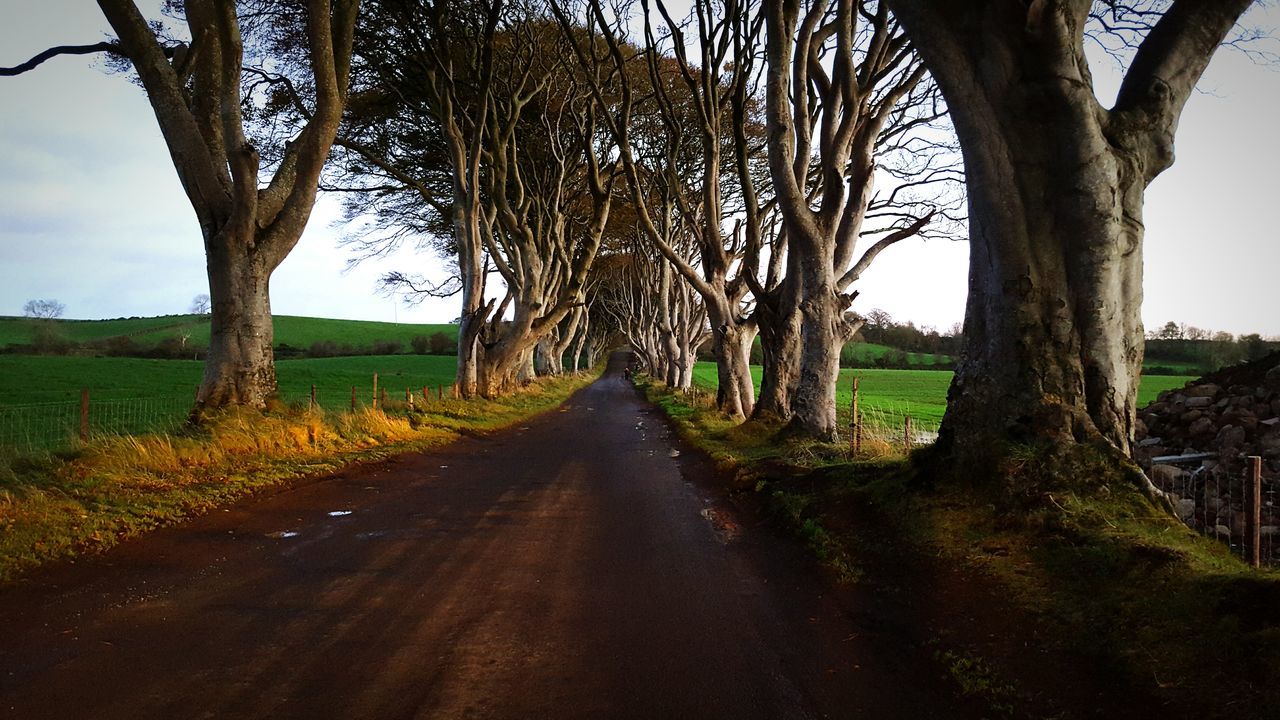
[[91, 212]]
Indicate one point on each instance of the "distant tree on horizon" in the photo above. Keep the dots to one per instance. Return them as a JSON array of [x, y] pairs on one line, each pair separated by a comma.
[[47, 309], [200, 304]]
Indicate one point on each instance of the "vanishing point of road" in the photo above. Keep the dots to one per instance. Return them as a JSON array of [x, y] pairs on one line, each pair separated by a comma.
[[577, 566]]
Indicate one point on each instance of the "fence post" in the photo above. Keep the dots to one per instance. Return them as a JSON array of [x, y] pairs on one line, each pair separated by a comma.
[[853, 436], [439, 392], [375, 391], [906, 433], [1253, 488], [857, 434], [312, 406], [426, 395], [384, 399], [408, 398], [353, 398], [84, 415]]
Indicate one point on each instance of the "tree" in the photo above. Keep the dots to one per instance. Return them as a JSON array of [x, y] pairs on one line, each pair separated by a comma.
[[1195, 333], [1170, 331], [844, 86], [1053, 332], [200, 304], [250, 219], [678, 126], [48, 309], [1253, 346], [488, 125]]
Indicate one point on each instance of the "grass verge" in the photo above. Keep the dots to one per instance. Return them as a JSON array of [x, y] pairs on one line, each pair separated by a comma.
[[1049, 589], [57, 506]]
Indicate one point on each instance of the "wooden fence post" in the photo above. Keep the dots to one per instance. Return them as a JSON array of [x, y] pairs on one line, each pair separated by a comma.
[[375, 391], [384, 399], [857, 434], [426, 395], [312, 405], [1253, 490], [853, 423], [906, 433], [439, 392], [408, 398], [84, 415], [353, 398]]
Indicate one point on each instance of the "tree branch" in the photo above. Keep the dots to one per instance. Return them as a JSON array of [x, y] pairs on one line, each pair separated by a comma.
[[112, 48]]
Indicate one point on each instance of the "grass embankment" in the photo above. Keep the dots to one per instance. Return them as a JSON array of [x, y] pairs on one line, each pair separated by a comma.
[[58, 506], [1042, 590], [32, 379]]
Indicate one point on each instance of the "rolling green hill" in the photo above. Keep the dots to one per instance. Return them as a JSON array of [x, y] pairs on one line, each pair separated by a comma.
[[289, 330]]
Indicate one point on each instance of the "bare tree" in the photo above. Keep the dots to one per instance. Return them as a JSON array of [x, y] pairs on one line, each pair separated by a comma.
[[200, 304], [47, 309], [843, 85], [436, 73], [474, 115], [1053, 331], [695, 69], [249, 221]]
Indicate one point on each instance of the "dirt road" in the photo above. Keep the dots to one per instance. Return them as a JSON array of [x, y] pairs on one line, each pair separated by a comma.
[[571, 568]]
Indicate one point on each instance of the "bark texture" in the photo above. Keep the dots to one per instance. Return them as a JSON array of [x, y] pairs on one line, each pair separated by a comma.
[[1053, 332]]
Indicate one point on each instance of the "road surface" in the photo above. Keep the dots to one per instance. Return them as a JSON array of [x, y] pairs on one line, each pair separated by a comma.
[[573, 567]]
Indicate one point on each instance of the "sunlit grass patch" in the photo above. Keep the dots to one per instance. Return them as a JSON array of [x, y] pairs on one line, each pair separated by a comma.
[[60, 505]]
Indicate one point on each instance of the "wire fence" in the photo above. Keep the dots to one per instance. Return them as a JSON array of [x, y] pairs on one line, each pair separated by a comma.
[[1216, 497], [888, 424], [879, 427], [60, 425], [54, 426]]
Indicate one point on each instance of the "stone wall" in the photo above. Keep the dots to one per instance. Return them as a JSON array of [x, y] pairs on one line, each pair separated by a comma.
[[1235, 413]]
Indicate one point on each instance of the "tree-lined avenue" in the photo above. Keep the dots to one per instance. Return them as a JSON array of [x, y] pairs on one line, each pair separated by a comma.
[[567, 568]]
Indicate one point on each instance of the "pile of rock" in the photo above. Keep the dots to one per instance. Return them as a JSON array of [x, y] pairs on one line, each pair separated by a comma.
[[1232, 413]]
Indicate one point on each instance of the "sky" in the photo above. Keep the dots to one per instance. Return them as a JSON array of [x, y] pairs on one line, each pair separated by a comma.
[[91, 212]]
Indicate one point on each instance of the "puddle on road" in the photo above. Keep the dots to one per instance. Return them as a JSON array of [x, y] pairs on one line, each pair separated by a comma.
[[339, 513], [281, 534], [725, 528]]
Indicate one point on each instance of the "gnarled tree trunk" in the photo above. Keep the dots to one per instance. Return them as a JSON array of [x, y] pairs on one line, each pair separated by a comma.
[[731, 344], [1053, 335], [823, 332], [240, 367], [778, 318]]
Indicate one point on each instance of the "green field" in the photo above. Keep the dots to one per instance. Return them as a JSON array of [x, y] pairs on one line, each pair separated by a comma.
[[289, 330], [862, 352], [919, 393], [25, 379]]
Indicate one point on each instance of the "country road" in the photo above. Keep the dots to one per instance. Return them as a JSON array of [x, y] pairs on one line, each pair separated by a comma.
[[573, 567]]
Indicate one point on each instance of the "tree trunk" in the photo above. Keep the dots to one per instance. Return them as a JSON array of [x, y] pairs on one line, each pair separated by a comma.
[[1053, 331], [466, 227], [579, 343], [823, 332], [731, 344], [240, 367], [778, 318]]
